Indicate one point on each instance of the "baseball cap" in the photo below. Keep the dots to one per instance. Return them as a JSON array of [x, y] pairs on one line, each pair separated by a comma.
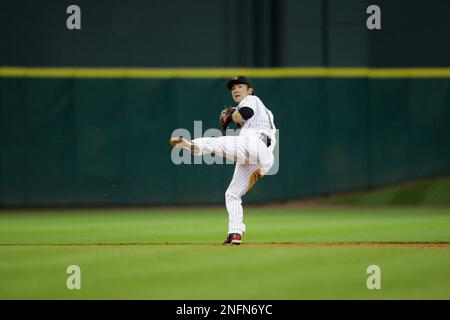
[[237, 80]]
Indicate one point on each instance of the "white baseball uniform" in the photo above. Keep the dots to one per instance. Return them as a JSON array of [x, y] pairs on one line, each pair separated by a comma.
[[252, 156]]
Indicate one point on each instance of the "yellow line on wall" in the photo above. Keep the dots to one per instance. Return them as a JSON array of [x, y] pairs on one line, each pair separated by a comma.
[[22, 72]]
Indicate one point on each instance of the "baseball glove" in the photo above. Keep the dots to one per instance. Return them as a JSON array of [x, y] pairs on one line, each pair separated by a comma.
[[226, 118]]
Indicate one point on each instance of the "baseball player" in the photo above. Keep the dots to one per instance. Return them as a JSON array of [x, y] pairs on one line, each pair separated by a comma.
[[251, 150]]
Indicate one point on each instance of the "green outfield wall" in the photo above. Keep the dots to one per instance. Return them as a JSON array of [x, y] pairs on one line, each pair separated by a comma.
[[89, 141], [86, 114]]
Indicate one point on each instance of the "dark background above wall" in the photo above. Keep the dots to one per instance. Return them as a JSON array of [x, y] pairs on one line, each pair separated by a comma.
[[225, 33]]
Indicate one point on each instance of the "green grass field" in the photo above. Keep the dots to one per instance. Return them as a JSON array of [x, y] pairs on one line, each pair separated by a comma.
[[176, 254]]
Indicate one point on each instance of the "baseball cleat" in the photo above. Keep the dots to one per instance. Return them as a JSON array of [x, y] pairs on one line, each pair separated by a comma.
[[233, 239], [180, 142], [175, 142]]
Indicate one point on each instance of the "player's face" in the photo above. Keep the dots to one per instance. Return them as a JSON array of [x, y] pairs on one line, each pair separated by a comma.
[[240, 91]]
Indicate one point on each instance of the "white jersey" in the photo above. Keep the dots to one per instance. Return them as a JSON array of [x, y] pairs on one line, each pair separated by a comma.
[[262, 119]]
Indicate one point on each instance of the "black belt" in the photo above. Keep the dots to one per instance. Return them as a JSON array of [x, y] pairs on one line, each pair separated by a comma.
[[267, 141]]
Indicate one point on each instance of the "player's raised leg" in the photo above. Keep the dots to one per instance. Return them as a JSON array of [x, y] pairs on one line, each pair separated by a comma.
[[231, 147], [240, 149]]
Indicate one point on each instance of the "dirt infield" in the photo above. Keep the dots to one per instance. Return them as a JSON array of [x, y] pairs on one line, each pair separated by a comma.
[[443, 245]]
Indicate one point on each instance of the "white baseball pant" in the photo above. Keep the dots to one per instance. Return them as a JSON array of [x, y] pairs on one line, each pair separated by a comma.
[[253, 160]]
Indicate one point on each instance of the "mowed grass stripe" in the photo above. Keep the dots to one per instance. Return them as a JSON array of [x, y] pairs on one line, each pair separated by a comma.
[[185, 272], [210, 226]]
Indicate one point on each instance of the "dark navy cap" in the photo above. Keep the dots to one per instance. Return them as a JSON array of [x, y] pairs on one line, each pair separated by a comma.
[[239, 80]]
